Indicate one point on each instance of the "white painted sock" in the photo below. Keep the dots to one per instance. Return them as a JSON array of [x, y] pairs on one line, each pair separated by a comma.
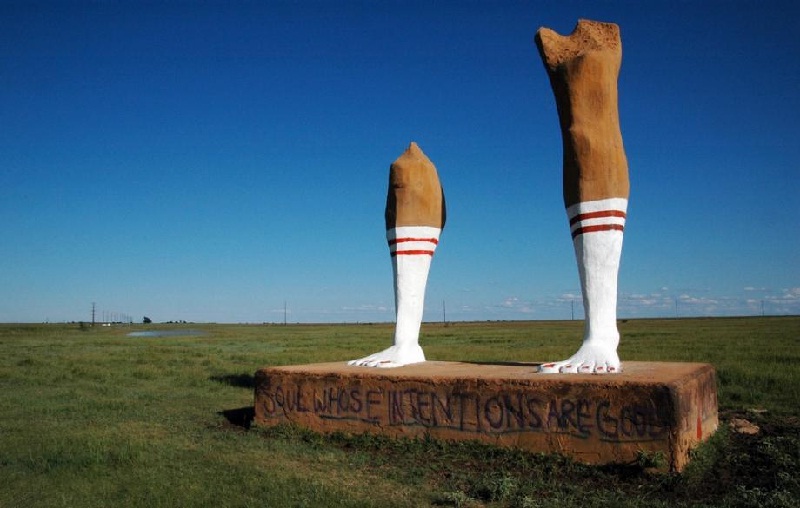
[[597, 229], [412, 249]]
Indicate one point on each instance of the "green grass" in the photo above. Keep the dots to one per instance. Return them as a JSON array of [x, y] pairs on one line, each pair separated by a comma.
[[95, 418]]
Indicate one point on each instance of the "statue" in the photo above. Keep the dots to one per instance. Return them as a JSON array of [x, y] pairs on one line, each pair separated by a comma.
[[583, 68], [415, 216]]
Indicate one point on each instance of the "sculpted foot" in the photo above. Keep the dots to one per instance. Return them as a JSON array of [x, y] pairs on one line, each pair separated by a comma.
[[395, 356], [591, 358]]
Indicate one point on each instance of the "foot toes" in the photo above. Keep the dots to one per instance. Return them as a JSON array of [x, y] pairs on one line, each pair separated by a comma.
[[549, 368], [574, 367], [569, 369]]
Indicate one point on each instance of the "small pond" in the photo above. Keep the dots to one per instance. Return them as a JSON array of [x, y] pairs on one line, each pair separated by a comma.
[[167, 333]]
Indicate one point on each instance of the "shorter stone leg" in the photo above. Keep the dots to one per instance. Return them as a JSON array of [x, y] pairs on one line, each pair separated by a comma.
[[415, 216]]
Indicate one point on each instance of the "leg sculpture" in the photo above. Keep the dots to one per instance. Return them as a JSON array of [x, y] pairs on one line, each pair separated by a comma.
[[415, 216], [583, 68]]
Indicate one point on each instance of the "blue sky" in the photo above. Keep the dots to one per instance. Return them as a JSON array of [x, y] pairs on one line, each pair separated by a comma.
[[209, 161]]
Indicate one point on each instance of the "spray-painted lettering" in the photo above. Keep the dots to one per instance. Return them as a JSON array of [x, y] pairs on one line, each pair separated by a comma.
[[503, 412]]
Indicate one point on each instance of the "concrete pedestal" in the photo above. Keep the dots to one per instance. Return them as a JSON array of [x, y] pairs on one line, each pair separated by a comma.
[[598, 419]]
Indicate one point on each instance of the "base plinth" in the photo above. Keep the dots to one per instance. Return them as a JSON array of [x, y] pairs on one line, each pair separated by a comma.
[[651, 407]]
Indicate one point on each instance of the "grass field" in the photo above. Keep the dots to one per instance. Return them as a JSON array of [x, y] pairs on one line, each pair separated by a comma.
[[92, 417]]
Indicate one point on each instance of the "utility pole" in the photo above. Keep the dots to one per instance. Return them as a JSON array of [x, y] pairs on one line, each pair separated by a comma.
[[284, 313], [444, 313], [93, 304]]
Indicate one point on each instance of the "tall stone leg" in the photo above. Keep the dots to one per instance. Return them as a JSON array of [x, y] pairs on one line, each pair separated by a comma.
[[415, 216], [583, 68]]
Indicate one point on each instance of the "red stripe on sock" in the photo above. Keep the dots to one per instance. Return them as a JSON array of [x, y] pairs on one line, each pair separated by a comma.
[[412, 253], [401, 240], [597, 215], [599, 227]]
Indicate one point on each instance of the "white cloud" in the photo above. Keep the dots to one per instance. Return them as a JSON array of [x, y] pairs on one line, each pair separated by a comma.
[[365, 308]]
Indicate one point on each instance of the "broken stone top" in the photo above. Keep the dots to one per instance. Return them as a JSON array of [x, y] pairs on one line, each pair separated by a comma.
[[588, 36], [415, 195], [413, 152]]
